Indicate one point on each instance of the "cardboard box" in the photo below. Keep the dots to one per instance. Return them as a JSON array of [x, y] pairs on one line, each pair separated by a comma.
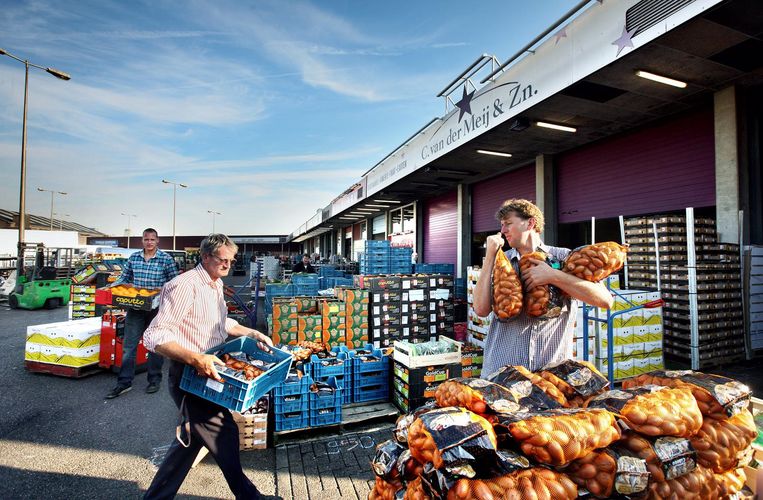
[[378, 283]]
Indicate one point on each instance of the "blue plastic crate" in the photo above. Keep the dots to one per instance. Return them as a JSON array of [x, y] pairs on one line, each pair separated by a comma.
[[306, 290], [369, 379], [342, 281], [235, 394], [289, 387], [291, 403], [371, 393], [321, 372], [326, 416], [376, 244], [291, 421], [444, 268], [369, 366], [321, 401], [304, 279]]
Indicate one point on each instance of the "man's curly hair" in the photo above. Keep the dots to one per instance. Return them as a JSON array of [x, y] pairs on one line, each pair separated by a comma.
[[524, 209]]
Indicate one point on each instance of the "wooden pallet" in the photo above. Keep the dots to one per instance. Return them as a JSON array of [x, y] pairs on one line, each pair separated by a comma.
[[62, 371], [352, 415]]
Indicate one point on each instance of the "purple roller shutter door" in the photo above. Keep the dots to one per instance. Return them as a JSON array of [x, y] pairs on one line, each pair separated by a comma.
[[488, 195], [668, 166], [440, 229]]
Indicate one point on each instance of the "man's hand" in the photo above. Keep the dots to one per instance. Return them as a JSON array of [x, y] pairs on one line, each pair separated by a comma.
[[205, 365], [494, 243], [539, 274], [263, 341]]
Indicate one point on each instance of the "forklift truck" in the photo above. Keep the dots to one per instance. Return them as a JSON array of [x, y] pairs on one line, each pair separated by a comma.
[[39, 285]]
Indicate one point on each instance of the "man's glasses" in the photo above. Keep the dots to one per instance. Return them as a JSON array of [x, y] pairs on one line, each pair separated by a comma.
[[227, 262]]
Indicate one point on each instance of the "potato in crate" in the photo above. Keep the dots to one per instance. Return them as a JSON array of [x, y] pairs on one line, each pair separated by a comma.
[[249, 374]]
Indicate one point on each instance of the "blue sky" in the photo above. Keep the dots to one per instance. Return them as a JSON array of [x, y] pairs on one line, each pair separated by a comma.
[[266, 109]]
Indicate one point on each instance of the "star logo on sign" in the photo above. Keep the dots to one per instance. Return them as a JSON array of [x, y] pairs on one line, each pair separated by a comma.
[[465, 104], [625, 40]]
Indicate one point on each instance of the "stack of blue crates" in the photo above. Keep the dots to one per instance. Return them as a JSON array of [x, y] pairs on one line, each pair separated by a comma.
[[434, 268], [342, 372], [375, 257], [370, 379], [326, 407], [276, 290], [400, 260], [305, 284], [291, 404]]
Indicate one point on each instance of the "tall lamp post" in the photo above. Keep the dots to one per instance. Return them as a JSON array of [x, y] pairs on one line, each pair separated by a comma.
[[22, 183], [52, 193], [174, 204], [213, 218], [61, 220], [129, 216]]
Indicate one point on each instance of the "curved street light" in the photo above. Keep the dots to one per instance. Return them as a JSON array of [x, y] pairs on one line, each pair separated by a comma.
[[128, 226], [22, 187], [52, 193], [174, 199], [213, 218]]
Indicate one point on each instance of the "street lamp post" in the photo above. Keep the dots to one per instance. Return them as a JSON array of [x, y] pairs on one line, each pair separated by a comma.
[[22, 183], [52, 192], [174, 204], [61, 220], [128, 226], [213, 218]]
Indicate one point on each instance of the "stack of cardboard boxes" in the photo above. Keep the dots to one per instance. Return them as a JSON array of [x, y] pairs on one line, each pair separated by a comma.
[[416, 378], [700, 280], [477, 326]]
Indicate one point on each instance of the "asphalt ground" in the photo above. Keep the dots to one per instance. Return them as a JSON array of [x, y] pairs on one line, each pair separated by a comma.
[[59, 437]]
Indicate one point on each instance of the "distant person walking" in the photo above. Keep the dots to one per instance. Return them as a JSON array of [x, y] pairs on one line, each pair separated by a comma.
[[150, 268]]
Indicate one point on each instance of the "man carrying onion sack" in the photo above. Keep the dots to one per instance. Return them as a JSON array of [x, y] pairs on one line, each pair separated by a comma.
[[192, 319], [518, 335]]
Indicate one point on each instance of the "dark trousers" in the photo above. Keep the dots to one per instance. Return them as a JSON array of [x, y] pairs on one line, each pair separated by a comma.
[[211, 426], [136, 323]]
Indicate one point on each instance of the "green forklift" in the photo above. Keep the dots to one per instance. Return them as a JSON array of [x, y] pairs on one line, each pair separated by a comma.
[[39, 285]]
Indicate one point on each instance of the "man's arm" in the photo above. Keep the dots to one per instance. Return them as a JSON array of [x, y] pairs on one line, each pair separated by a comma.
[[238, 330], [203, 363], [483, 295], [595, 294]]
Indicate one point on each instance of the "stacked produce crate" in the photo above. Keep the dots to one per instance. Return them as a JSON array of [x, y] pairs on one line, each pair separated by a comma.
[[331, 277], [414, 308], [477, 326], [420, 368], [400, 260], [700, 280], [337, 366], [73, 344], [375, 257], [370, 375], [291, 403], [471, 360], [425, 268], [356, 315], [253, 426], [384, 308], [82, 302], [305, 284], [753, 275], [326, 404], [442, 314]]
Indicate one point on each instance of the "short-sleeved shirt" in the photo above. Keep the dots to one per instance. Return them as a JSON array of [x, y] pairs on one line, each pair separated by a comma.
[[527, 341], [151, 273]]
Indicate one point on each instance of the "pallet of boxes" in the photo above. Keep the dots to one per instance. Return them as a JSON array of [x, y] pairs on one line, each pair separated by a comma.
[[700, 281]]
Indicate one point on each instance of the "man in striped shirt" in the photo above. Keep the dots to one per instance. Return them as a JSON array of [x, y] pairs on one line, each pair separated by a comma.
[[523, 340], [193, 318], [151, 269]]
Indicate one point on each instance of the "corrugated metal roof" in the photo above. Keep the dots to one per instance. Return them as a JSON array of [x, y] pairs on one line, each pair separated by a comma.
[[10, 217]]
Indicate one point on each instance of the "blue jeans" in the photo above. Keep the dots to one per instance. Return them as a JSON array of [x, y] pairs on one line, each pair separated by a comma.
[[135, 324]]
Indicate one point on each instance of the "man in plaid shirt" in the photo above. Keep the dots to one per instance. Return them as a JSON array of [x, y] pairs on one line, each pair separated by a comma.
[[150, 268]]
